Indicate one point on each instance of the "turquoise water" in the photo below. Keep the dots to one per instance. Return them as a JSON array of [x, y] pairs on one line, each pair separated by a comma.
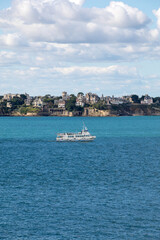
[[106, 189]]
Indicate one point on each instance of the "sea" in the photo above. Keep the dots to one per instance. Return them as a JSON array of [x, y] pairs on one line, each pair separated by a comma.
[[100, 190]]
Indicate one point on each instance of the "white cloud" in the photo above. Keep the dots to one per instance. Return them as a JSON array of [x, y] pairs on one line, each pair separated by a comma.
[[115, 79], [56, 25], [78, 2], [66, 22], [48, 41], [8, 59], [114, 70], [118, 14], [157, 14], [12, 40]]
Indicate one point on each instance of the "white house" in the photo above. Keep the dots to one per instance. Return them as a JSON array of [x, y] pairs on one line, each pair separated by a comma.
[[9, 105], [65, 96], [61, 103], [147, 100], [116, 101], [38, 102], [10, 96], [28, 99], [92, 98], [80, 100]]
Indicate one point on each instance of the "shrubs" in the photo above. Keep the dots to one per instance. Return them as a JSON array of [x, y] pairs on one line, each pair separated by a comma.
[[25, 110]]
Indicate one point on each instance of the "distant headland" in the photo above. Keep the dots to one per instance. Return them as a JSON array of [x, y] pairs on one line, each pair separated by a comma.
[[89, 104]]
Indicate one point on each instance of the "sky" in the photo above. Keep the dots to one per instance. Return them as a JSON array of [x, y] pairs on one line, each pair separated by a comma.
[[104, 47]]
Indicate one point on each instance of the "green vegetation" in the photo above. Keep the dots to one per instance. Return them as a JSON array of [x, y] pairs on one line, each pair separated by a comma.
[[17, 105], [135, 99], [156, 100], [70, 104], [25, 110], [17, 102], [100, 106], [23, 96], [49, 102], [142, 98], [3, 110]]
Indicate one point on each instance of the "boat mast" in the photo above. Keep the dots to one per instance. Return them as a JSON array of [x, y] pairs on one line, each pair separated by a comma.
[[83, 126]]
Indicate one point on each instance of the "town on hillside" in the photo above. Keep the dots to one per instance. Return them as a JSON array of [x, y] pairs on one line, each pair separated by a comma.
[[24, 104]]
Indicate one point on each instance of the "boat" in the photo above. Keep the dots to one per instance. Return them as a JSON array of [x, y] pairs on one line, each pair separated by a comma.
[[83, 136]]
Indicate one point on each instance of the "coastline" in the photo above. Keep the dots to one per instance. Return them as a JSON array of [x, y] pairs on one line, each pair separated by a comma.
[[112, 111]]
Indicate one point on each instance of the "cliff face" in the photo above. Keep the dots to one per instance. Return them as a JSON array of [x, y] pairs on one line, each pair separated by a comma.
[[111, 110], [124, 110], [60, 113], [92, 112], [140, 110]]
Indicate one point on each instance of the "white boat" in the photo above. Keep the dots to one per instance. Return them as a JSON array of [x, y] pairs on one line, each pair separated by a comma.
[[83, 136]]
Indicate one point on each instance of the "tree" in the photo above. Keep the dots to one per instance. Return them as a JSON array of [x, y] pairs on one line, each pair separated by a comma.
[[17, 102], [47, 98], [135, 98], [80, 93], [23, 96], [70, 104], [142, 98], [3, 109], [156, 100], [25, 110], [100, 105], [72, 97]]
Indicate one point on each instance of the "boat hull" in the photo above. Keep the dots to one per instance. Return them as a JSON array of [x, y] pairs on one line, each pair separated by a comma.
[[76, 140]]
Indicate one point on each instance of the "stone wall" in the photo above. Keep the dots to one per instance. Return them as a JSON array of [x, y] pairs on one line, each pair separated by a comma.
[[91, 112]]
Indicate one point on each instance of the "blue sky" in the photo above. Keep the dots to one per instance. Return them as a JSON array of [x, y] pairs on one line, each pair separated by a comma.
[[109, 47]]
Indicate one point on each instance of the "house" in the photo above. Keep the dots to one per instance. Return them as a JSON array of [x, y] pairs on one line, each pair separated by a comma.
[[80, 100], [102, 98], [65, 96], [61, 103], [128, 99], [9, 105], [28, 100], [10, 96], [80, 95], [38, 102], [56, 101], [147, 100], [116, 101], [92, 98], [107, 100], [88, 97]]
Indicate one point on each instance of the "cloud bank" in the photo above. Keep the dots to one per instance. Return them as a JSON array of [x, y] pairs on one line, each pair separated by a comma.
[[68, 22], [75, 41]]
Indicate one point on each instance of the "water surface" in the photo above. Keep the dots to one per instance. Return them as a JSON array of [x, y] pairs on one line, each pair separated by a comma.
[[106, 189]]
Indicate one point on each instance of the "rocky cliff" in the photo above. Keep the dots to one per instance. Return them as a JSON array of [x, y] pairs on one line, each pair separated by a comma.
[[111, 110], [124, 110]]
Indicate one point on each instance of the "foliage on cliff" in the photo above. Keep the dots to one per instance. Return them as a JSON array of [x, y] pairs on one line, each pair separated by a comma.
[[3, 110], [135, 98], [70, 104], [100, 106], [17, 102], [25, 110]]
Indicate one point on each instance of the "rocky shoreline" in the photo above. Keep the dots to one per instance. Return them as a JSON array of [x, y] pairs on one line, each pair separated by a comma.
[[111, 111]]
